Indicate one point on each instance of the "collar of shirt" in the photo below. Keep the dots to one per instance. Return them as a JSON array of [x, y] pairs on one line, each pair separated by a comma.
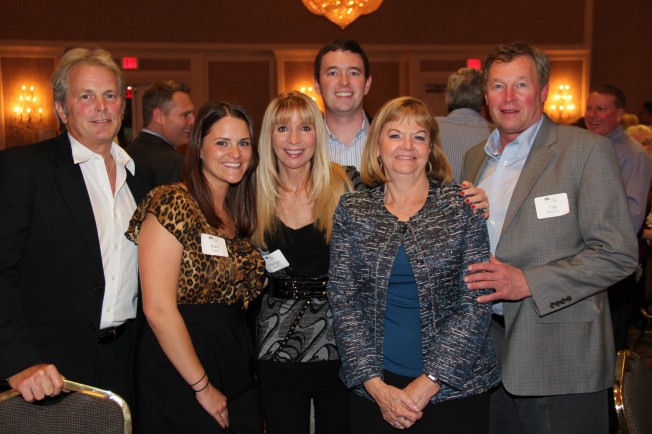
[[81, 154], [523, 143], [616, 135], [364, 128], [154, 133]]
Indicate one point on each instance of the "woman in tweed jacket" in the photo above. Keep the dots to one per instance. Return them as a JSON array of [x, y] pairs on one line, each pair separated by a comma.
[[413, 341]]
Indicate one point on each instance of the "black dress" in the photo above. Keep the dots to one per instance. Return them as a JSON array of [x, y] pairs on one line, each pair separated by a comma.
[[210, 295]]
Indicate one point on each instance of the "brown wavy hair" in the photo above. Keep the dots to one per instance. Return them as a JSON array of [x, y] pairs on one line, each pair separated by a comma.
[[241, 198]]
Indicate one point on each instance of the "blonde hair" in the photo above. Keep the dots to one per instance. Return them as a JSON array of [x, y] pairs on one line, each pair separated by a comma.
[[641, 133], [327, 181], [91, 56], [629, 120], [404, 109]]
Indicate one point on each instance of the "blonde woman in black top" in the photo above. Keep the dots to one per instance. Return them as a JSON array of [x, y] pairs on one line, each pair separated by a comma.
[[298, 190]]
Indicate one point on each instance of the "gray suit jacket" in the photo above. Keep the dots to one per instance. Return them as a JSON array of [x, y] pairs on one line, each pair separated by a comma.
[[559, 341]]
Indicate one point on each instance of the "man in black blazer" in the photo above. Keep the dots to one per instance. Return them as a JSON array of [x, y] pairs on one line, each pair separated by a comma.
[[168, 114], [68, 276]]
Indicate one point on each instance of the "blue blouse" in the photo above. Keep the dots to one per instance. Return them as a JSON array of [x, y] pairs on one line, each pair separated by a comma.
[[402, 351]]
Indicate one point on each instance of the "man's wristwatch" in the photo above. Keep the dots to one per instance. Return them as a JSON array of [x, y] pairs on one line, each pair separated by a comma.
[[433, 378]]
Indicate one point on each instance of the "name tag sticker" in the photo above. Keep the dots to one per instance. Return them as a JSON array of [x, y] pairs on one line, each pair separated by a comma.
[[555, 205], [213, 245], [275, 261]]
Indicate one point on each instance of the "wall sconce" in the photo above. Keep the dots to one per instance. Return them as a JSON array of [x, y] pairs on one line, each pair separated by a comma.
[[27, 114], [342, 12], [312, 94], [309, 91], [562, 103]]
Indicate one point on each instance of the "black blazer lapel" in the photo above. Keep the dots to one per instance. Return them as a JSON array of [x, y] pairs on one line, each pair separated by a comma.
[[74, 193], [138, 185]]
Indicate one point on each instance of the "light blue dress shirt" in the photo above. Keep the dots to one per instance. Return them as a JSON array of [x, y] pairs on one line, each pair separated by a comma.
[[499, 177]]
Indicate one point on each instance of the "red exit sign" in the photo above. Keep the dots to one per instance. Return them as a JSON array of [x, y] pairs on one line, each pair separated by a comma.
[[130, 63], [473, 63]]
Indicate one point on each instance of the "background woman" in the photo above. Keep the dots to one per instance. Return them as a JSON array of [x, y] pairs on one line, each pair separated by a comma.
[[197, 267], [409, 333], [298, 190]]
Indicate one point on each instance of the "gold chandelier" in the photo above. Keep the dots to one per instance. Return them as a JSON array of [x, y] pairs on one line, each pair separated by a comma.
[[342, 12]]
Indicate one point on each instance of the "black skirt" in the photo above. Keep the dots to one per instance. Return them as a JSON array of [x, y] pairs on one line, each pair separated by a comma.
[[165, 403]]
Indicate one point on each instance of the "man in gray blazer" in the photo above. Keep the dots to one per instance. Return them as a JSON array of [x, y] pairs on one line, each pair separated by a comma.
[[561, 233]]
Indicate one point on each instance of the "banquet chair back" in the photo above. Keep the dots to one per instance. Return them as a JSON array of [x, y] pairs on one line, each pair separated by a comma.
[[85, 410], [633, 393]]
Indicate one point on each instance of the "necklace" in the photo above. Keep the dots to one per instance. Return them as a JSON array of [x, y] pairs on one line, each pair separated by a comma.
[[112, 169]]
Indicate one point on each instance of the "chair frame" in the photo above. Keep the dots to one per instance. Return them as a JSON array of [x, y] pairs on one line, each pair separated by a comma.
[[623, 365], [88, 390]]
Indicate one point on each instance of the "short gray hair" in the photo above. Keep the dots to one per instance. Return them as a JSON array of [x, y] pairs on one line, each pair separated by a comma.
[[465, 90], [92, 56]]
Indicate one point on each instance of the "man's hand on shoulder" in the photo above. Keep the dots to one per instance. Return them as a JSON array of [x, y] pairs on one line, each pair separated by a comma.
[[37, 382]]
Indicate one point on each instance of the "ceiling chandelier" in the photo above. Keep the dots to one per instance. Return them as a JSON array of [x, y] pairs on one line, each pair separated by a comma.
[[342, 12]]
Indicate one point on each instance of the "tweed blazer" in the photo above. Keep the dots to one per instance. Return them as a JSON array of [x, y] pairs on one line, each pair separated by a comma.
[[559, 340], [441, 239]]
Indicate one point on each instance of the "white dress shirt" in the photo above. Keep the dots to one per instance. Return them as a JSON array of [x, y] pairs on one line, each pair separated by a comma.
[[112, 214]]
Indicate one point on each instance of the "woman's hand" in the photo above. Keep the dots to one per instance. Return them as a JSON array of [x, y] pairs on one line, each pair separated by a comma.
[[396, 406], [421, 389], [476, 198], [214, 403]]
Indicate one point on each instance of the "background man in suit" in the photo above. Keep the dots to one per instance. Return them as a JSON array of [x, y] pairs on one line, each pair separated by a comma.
[[169, 115], [561, 233], [342, 79], [464, 126], [605, 108], [68, 275]]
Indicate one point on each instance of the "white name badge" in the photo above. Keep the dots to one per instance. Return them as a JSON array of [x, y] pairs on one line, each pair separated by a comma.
[[555, 205], [213, 245], [275, 261]]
